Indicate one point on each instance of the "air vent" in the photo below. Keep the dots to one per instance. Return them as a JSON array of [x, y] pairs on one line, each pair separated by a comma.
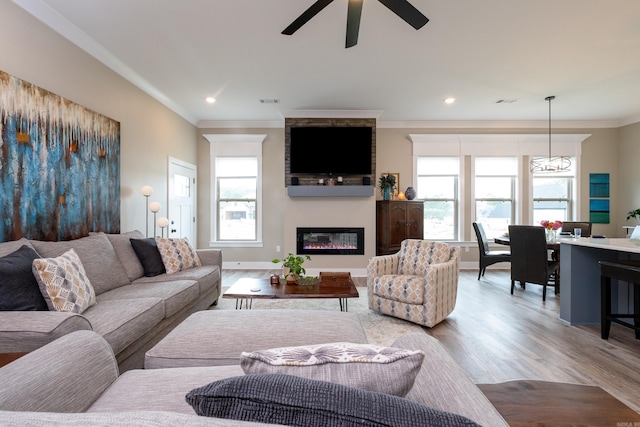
[[506, 101], [270, 101]]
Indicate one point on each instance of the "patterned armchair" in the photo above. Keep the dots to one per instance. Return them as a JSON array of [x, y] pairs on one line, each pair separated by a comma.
[[419, 283]]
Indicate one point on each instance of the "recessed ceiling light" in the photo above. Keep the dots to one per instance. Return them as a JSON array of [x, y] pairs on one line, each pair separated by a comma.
[[210, 99], [449, 100]]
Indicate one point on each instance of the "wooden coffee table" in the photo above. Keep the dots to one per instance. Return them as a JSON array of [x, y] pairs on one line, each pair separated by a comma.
[[326, 285]]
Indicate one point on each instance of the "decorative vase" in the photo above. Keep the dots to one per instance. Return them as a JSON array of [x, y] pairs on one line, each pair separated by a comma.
[[410, 193], [551, 234], [386, 194]]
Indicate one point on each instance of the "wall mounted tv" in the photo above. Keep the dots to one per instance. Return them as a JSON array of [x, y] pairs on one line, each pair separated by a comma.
[[337, 150]]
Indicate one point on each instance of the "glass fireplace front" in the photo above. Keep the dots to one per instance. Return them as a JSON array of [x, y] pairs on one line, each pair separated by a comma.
[[330, 241]]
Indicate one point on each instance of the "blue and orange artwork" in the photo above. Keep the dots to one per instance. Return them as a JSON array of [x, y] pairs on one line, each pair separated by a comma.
[[59, 166]]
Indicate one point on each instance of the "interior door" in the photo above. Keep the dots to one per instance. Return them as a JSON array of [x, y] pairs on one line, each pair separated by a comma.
[[182, 197]]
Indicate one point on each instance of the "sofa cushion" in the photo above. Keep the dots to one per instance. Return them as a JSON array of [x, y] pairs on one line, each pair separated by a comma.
[[64, 283], [177, 254], [202, 339], [138, 418], [121, 322], [296, 401], [365, 366], [176, 293], [98, 257], [8, 247], [401, 288], [159, 389], [147, 252], [19, 289], [125, 253], [206, 276]]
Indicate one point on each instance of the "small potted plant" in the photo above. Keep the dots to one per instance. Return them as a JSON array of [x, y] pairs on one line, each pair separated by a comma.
[[635, 214], [294, 265], [386, 184]]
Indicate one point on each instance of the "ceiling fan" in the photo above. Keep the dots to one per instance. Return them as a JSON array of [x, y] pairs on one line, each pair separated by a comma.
[[402, 8]]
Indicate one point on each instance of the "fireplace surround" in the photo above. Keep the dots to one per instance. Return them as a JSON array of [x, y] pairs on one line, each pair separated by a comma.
[[330, 241]]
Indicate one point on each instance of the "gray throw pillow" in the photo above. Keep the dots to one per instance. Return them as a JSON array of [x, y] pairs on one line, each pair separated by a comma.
[[19, 289], [296, 401], [366, 366]]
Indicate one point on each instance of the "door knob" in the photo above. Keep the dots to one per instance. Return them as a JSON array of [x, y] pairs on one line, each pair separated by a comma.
[[173, 230]]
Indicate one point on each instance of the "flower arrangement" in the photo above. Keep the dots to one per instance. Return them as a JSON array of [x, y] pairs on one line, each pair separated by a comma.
[[386, 182], [551, 225]]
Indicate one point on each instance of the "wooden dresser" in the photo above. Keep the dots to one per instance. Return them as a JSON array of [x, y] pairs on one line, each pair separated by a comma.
[[397, 220]]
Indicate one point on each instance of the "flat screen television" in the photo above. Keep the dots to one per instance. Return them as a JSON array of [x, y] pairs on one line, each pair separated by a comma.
[[337, 150]]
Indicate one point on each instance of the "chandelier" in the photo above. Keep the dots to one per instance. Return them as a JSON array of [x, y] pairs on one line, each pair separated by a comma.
[[550, 164]]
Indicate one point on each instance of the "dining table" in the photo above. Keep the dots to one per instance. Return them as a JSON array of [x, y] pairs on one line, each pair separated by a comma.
[[552, 245]]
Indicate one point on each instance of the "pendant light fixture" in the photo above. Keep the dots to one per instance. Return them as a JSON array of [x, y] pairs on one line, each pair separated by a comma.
[[550, 164]]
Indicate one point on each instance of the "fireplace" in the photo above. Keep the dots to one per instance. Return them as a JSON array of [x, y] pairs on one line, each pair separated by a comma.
[[330, 241]]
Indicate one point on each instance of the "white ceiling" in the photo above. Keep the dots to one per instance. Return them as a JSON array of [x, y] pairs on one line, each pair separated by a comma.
[[585, 52]]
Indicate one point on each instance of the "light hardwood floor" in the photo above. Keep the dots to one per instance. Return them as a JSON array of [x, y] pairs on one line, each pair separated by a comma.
[[498, 337]]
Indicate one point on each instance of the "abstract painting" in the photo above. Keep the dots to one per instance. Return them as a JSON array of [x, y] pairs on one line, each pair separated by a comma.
[[599, 212], [59, 166]]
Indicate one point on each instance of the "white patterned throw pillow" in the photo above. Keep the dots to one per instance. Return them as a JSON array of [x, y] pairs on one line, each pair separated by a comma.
[[177, 254], [366, 366], [64, 283]]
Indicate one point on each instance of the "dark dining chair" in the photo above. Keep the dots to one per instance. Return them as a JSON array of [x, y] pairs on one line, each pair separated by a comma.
[[529, 258], [585, 226], [487, 257]]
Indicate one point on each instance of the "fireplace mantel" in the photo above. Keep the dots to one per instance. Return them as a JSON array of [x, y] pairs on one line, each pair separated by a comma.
[[330, 191]]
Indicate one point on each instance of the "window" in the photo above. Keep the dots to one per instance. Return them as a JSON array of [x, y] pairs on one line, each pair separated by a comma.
[[495, 193], [438, 187], [553, 196], [236, 190]]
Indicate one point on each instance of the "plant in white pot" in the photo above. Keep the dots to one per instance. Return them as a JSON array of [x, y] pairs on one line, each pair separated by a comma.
[[293, 266]]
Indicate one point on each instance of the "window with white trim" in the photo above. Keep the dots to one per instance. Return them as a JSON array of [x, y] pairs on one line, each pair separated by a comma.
[[438, 186], [553, 195], [237, 198], [495, 193], [236, 190]]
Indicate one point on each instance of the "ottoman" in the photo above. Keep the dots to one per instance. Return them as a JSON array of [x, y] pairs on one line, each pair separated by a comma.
[[214, 338]]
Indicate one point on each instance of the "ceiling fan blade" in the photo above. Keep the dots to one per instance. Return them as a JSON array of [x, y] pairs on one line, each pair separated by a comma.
[[354, 12], [313, 10], [407, 12]]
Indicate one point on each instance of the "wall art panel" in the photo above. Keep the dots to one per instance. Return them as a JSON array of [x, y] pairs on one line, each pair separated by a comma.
[[59, 166]]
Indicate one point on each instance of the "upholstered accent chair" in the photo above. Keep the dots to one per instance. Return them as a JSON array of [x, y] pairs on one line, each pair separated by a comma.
[[419, 283]]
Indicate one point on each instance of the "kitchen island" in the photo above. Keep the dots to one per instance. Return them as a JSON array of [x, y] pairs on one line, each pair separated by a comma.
[[580, 277]]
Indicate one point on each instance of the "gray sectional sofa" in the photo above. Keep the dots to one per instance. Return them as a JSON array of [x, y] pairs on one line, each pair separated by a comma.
[[74, 381], [133, 312]]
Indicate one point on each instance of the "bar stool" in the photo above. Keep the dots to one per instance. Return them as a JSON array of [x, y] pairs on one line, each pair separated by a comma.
[[627, 271]]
